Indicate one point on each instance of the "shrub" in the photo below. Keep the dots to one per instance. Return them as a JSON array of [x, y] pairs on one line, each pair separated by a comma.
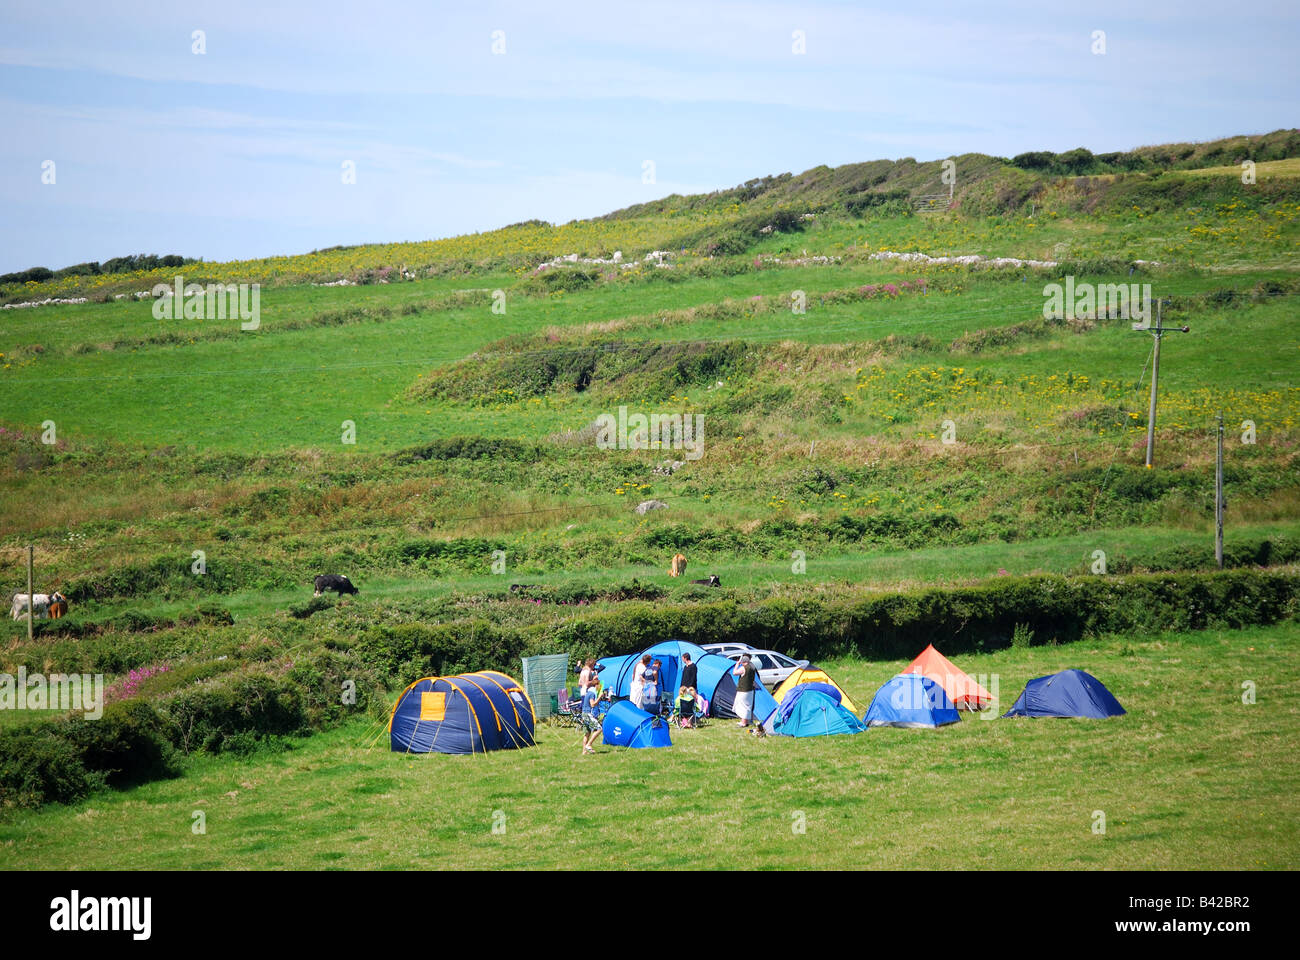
[[38, 765], [127, 745], [471, 448], [204, 718], [302, 611]]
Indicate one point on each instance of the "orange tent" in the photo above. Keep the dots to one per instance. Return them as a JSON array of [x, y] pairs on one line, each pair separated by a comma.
[[961, 688]]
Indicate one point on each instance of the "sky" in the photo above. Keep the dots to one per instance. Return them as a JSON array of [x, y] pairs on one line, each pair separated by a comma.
[[236, 142]]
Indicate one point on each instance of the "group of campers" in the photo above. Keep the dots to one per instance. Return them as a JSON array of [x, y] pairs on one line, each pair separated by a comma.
[[647, 694]]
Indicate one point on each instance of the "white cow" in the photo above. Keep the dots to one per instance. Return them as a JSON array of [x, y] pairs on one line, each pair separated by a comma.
[[40, 602]]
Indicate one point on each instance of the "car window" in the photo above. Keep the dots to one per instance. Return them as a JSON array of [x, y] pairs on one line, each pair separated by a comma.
[[781, 661]]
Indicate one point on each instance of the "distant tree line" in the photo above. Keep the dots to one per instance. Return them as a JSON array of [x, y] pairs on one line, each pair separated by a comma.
[[139, 261], [1183, 156]]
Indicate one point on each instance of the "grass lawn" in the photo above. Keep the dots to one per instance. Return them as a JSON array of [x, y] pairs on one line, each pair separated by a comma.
[[1190, 778]]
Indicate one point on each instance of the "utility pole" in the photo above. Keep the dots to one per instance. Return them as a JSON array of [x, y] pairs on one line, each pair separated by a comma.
[[1157, 331], [30, 601], [1218, 498]]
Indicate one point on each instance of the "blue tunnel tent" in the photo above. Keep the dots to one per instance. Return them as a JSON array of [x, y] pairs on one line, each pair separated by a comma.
[[812, 710], [629, 726], [718, 686], [1070, 693], [617, 672], [714, 680], [467, 713], [911, 700], [608, 669]]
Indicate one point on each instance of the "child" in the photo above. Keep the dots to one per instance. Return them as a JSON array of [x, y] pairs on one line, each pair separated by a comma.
[[686, 707], [650, 690], [588, 720]]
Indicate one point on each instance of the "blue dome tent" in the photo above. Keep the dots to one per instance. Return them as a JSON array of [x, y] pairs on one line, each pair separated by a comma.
[[811, 712], [467, 713], [911, 700], [629, 726], [1070, 693]]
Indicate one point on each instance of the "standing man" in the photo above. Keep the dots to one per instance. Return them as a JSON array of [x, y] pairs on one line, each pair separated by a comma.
[[689, 672], [745, 676]]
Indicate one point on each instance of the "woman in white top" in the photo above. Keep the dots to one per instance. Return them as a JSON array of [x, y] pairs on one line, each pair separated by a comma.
[[638, 680]]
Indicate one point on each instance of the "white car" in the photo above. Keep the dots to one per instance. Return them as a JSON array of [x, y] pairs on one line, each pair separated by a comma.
[[773, 667], [727, 649]]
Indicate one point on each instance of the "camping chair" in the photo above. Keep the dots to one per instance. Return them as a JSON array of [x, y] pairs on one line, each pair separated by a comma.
[[566, 709], [697, 717]]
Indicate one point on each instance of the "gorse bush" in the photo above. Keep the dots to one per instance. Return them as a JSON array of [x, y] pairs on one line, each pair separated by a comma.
[[471, 448]]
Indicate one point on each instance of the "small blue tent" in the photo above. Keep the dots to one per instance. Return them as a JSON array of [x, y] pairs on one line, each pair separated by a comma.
[[714, 680], [629, 726], [910, 700], [1070, 693], [467, 713], [809, 712]]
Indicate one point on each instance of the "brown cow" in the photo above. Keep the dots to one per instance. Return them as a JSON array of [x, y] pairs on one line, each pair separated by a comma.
[[58, 606], [678, 567]]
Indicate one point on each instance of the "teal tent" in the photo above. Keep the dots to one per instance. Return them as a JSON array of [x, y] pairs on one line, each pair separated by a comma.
[[808, 712]]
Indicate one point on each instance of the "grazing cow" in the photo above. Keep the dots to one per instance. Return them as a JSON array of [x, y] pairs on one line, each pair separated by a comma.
[[58, 605], [678, 567], [521, 587], [333, 581], [40, 604], [711, 581]]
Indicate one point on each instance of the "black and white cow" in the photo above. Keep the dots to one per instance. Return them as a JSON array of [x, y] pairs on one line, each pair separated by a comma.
[[712, 581], [333, 581]]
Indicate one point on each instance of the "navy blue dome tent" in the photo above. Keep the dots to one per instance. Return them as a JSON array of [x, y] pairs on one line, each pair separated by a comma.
[[1070, 693], [467, 713]]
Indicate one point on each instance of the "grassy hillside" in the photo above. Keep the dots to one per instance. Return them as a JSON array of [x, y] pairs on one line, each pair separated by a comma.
[[875, 426]]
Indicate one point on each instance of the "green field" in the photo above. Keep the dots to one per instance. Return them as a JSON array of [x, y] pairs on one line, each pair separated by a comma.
[[1190, 778], [895, 452]]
